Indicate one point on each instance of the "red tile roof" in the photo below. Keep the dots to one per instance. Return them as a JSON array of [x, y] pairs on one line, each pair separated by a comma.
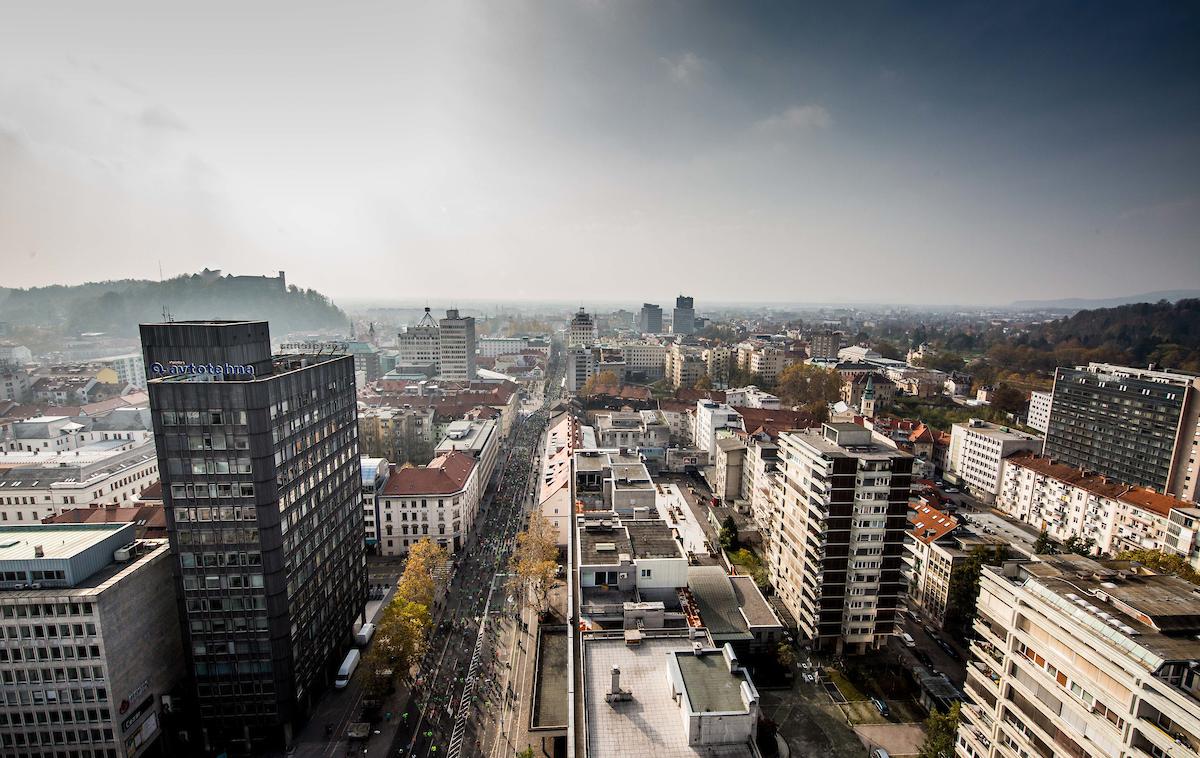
[[775, 422], [930, 524], [444, 475], [1142, 497], [151, 520], [921, 434]]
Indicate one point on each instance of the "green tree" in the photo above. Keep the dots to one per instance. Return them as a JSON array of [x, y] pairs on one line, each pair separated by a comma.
[[1044, 544], [729, 534], [1008, 399], [942, 361], [887, 350], [785, 655], [812, 388], [964, 585], [534, 564], [940, 732], [1079, 546], [1163, 563], [526, 753]]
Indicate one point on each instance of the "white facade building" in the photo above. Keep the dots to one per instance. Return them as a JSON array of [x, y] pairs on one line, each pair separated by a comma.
[[1039, 410], [752, 397], [582, 330], [1079, 658], [1067, 502], [977, 451], [457, 346], [709, 419]]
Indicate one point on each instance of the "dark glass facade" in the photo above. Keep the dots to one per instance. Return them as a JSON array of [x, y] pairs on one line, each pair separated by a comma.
[[261, 485], [1125, 427]]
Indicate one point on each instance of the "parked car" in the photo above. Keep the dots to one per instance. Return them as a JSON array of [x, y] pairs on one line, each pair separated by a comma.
[[907, 639], [924, 658], [950, 651], [881, 706], [879, 753]]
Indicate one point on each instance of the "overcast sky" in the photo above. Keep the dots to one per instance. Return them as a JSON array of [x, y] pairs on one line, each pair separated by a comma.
[[593, 150]]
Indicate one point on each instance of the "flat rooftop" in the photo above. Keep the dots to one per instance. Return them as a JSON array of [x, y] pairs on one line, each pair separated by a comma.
[[1151, 617], [58, 541], [649, 724], [710, 686], [652, 539]]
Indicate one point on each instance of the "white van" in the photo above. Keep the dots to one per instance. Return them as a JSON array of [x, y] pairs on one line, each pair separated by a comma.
[[364, 634], [349, 664]]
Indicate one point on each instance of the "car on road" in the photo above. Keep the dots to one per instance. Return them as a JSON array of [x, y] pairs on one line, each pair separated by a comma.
[[907, 639], [923, 657], [951, 491], [881, 706], [948, 650], [349, 664]]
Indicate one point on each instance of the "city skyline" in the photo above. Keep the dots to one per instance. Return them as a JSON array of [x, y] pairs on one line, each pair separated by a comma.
[[466, 149]]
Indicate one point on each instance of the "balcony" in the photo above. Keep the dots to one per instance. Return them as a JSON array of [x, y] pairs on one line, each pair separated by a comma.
[[985, 674], [984, 650], [1178, 744]]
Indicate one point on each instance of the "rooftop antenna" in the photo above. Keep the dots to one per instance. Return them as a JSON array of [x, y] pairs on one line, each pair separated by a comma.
[[166, 314]]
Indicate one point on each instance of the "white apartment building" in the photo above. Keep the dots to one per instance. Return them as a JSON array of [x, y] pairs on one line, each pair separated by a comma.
[[836, 562], [709, 419], [619, 429], [719, 362], [641, 357], [1183, 534], [582, 332], [767, 362], [1081, 659], [977, 451], [556, 497], [684, 365], [752, 397], [494, 347], [1067, 502], [1039, 410], [580, 367], [130, 368]]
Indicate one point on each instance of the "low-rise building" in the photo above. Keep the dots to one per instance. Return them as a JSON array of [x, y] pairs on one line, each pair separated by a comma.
[[752, 397], [1069, 503], [100, 473], [940, 547], [977, 452], [478, 438], [93, 649], [438, 502], [664, 693]]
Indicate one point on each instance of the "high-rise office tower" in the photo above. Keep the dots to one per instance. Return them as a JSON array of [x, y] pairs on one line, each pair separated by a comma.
[[683, 320], [457, 335], [650, 319], [582, 330], [260, 475], [1138, 426], [836, 563]]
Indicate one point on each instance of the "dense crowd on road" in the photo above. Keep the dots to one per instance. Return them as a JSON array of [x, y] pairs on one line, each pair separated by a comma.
[[428, 716]]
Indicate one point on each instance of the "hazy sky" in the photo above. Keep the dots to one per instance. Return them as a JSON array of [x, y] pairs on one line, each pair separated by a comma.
[[895, 151]]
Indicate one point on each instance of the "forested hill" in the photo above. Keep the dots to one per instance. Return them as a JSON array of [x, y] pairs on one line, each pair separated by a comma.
[[117, 307], [1165, 334]]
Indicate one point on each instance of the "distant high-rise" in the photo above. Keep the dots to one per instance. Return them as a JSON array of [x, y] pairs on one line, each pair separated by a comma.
[[260, 475], [683, 320], [582, 331], [1137, 426], [457, 346], [650, 319]]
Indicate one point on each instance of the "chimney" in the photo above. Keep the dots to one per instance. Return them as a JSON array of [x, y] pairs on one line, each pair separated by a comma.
[[38, 552], [616, 680]]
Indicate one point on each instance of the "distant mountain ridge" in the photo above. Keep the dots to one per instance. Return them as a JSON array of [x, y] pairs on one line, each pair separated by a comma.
[[1079, 303], [117, 307]]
